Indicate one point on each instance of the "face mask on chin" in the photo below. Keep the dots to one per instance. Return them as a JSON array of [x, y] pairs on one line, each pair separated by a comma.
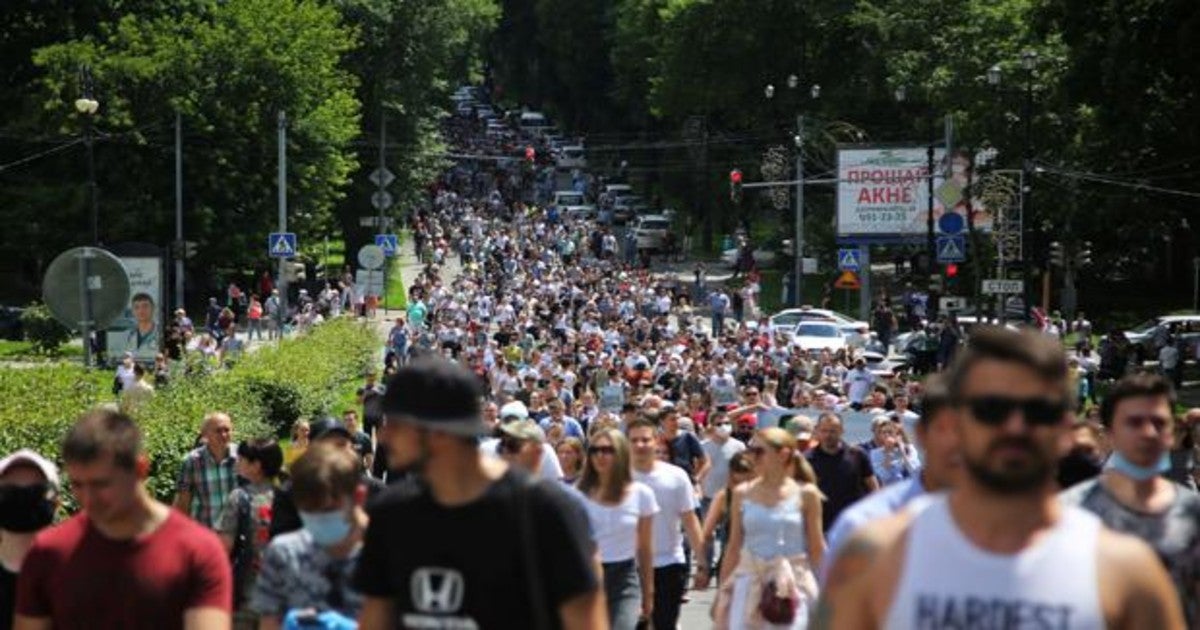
[[1122, 465]]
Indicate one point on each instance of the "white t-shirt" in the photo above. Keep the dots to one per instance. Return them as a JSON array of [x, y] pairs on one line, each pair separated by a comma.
[[673, 491], [615, 526], [550, 468]]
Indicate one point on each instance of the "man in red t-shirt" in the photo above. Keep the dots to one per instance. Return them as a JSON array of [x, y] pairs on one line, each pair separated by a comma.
[[126, 560]]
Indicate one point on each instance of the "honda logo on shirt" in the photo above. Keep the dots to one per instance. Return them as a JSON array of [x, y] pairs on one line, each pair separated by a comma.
[[437, 590]]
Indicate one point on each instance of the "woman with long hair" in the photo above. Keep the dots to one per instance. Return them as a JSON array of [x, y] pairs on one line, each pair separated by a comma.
[[775, 539], [894, 459], [716, 522], [621, 512], [298, 445]]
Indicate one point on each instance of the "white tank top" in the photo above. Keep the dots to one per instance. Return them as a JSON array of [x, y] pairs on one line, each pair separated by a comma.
[[949, 583]]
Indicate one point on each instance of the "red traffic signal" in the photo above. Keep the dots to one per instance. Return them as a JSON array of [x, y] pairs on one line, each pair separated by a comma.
[[530, 154], [951, 270], [735, 176]]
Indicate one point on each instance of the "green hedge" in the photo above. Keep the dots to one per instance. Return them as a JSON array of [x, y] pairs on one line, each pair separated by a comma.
[[264, 393]]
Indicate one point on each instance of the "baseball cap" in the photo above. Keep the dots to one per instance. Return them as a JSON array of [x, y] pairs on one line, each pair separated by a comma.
[[747, 419], [327, 427], [26, 456], [436, 394], [801, 427], [515, 409], [524, 430]]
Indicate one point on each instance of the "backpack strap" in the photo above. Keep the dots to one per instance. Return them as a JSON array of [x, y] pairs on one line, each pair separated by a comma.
[[537, 593]]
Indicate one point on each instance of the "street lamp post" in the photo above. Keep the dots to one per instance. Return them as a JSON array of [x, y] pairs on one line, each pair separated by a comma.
[[87, 108], [814, 92], [901, 95], [1029, 60]]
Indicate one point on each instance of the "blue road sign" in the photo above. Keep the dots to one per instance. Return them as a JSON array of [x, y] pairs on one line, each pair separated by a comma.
[[951, 223], [848, 260], [951, 249], [389, 243], [281, 245]]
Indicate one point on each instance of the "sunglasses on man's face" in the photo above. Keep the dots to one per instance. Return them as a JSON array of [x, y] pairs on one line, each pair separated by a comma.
[[996, 410]]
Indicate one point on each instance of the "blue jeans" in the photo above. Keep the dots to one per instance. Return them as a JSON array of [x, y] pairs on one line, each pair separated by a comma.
[[720, 535], [623, 590]]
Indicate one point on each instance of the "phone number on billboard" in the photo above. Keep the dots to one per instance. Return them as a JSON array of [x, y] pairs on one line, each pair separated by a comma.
[[883, 217]]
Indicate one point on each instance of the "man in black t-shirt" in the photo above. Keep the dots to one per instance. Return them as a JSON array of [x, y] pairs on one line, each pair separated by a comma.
[[683, 447], [477, 544], [844, 472], [370, 396]]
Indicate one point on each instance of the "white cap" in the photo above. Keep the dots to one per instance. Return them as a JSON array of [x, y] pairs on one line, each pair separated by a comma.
[[49, 470], [514, 409]]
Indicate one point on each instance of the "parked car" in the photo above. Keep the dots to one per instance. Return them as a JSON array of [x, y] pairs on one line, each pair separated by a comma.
[[763, 256], [856, 331], [10, 323], [572, 156], [533, 122], [813, 336], [1143, 335], [651, 231]]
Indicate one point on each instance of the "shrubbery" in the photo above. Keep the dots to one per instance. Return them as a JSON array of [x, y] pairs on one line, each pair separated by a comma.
[[44, 332], [263, 393]]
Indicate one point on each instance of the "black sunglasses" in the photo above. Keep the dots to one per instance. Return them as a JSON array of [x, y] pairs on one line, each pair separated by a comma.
[[601, 450], [996, 410]]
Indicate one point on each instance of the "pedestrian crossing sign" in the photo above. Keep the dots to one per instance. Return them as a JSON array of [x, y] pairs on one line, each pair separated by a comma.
[[848, 260], [281, 245], [951, 249], [389, 243]]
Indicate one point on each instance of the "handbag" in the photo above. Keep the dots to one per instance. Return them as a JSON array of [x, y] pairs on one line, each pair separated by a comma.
[[775, 609]]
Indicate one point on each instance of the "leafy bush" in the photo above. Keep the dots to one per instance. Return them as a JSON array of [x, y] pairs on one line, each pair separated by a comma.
[[300, 377], [42, 330], [266, 391]]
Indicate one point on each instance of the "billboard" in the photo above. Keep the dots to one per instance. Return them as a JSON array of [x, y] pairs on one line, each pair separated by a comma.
[[138, 330], [882, 192]]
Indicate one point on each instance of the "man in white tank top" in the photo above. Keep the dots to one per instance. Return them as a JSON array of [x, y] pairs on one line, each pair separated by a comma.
[[999, 551]]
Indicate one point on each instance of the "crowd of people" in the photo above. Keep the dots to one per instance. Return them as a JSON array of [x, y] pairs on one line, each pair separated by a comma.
[[563, 440]]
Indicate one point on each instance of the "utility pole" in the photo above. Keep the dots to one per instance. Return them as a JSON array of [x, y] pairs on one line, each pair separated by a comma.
[[798, 242], [379, 224], [181, 248], [283, 262]]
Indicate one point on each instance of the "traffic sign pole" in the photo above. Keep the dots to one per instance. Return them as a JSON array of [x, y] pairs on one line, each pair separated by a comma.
[[281, 283]]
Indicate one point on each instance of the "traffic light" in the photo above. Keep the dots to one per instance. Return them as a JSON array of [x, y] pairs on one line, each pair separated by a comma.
[[530, 154], [935, 284], [1083, 257], [735, 185], [951, 270], [1056, 254]]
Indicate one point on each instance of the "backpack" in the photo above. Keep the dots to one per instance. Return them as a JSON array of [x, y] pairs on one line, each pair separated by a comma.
[[243, 557]]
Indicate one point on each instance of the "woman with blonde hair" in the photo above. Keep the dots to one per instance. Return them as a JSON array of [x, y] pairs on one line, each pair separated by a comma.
[[298, 445], [621, 512], [775, 540]]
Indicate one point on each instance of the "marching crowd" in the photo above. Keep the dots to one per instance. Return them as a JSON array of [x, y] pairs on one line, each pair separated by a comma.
[[563, 440]]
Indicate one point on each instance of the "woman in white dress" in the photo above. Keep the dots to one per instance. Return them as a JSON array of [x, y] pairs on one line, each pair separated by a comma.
[[775, 539], [621, 512]]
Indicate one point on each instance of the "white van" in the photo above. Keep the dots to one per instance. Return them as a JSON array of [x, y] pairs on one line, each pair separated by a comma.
[[651, 231], [570, 157], [533, 121]]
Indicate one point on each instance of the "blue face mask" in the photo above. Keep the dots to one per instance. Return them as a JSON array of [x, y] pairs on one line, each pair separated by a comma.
[[327, 528], [1139, 473]]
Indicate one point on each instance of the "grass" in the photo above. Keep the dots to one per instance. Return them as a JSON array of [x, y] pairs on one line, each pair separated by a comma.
[[395, 296], [23, 351]]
